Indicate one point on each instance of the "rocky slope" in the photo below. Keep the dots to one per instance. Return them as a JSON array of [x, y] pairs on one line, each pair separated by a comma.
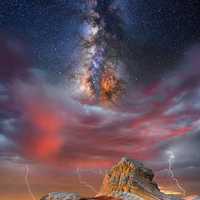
[[130, 176], [127, 180]]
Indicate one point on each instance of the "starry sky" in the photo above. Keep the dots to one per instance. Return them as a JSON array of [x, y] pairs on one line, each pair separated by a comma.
[[47, 126]]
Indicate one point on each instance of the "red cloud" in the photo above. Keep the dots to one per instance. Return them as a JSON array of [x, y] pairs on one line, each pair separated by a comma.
[[45, 124]]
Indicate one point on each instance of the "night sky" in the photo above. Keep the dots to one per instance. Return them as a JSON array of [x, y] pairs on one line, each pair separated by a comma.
[[53, 122]]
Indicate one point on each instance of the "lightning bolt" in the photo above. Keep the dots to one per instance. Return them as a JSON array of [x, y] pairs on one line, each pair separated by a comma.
[[102, 172], [27, 183], [85, 183], [171, 158]]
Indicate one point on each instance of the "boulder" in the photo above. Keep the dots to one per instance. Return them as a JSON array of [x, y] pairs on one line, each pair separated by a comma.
[[61, 196]]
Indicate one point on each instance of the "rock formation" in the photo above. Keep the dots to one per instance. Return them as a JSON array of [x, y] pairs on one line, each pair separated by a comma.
[[127, 180], [61, 196], [73, 196], [131, 177]]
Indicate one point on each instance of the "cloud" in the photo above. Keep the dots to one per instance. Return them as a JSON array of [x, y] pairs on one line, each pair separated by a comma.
[[55, 127], [52, 126]]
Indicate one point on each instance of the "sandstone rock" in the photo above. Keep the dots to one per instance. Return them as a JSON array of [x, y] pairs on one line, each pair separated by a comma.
[[61, 196], [131, 177]]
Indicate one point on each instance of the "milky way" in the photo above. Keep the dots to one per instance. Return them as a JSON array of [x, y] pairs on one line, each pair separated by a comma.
[[99, 76]]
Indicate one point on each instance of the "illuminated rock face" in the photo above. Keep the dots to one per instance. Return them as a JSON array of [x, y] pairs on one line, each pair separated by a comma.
[[131, 177]]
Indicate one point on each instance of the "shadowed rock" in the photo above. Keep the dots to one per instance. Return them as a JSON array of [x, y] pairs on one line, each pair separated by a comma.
[[61, 196]]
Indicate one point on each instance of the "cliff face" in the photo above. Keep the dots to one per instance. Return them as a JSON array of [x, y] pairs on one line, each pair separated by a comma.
[[127, 180], [130, 176]]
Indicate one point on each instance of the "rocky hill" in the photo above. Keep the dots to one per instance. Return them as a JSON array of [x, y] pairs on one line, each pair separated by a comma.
[[127, 180], [130, 176]]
